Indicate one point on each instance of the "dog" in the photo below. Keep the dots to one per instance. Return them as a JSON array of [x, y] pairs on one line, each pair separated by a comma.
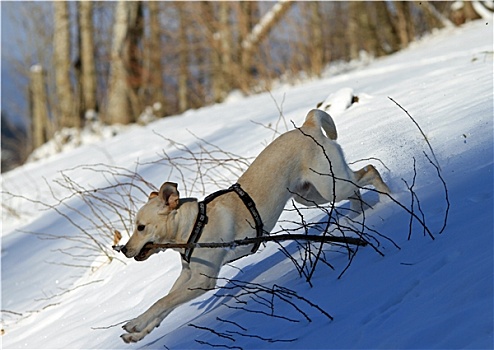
[[304, 164]]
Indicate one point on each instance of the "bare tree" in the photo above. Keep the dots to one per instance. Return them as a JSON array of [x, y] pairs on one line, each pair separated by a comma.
[[355, 9], [316, 47], [183, 53], [210, 48], [433, 17], [403, 23], [267, 22], [86, 51], [122, 100], [247, 15], [388, 36], [219, 28], [67, 116], [39, 111], [154, 69]]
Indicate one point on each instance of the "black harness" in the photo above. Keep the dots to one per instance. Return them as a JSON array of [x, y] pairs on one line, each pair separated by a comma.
[[202, 218]]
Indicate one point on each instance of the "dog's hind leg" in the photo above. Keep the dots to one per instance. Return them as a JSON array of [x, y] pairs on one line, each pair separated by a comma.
[[368, 175]]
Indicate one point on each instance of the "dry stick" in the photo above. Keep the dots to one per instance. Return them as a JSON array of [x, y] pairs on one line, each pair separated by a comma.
[[410, 188], [370, 158], [445, 192], [247, 241], [319, 251]]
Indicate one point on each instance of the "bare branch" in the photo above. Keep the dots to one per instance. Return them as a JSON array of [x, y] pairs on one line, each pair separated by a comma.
[[420, 129]]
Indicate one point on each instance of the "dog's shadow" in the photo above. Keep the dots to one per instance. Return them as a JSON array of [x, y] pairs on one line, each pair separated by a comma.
[[227, 292]]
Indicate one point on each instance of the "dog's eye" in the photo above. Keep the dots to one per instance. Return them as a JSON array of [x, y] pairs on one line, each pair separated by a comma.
[[141, 227]]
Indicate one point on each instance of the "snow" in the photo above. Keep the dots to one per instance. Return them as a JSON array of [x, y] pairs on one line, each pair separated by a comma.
[[428, 294]]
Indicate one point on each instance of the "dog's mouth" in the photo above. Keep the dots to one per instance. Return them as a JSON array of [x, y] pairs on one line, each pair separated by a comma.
[[145, 252]]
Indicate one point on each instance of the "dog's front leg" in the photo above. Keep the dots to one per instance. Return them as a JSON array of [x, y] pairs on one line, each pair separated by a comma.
[[187, 287]]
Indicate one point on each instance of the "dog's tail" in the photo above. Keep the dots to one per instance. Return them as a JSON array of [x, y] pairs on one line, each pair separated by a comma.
[[320, 119]]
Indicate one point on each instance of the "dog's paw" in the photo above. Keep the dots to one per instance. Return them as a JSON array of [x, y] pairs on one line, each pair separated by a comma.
[[138, 328], [131, 337], [136, 325], [134, 335]]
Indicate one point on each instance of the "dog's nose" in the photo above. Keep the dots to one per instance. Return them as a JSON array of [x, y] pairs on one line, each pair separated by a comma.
[[124, 250]]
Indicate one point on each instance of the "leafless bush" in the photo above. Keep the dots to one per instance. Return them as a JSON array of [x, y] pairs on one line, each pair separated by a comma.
[[96, 214], [201, 166]]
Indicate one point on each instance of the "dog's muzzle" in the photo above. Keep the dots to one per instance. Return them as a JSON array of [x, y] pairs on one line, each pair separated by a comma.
[[145, 252]]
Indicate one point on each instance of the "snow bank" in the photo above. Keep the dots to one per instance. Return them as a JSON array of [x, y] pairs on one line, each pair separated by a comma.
[[428, 294]]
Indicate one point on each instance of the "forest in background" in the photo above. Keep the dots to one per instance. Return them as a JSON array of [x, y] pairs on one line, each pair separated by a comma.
[[126, 62]]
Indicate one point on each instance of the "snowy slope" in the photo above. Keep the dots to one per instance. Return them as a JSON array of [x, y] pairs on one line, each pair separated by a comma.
[[428, 294]]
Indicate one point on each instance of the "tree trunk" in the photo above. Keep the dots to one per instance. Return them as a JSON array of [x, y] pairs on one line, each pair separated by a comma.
[[370, 30], [433, 17], [390, 41], [251, 42], [248, 15], [67, 116], [39, 111], [155, 68], [208, 20], [354, 10], [316, 39], [88, 68], [267, 22], [183, 71], [225, 46], [404, 24], [122, 100]]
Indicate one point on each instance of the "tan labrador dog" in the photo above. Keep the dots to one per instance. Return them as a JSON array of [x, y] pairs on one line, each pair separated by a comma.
[[303, 163]]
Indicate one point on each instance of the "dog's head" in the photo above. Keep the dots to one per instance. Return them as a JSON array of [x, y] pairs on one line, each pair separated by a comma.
[[151, 224]]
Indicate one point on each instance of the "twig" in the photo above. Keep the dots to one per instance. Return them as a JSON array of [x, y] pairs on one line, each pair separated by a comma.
[[445, 192], [221, 335], [420, 129], [110, 326]]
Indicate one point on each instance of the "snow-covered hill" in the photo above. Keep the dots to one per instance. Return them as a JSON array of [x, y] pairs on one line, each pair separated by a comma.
[[428, 294]]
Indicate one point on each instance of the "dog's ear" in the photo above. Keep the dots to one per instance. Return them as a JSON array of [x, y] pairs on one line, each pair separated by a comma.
[[170, 195], [153, 194]]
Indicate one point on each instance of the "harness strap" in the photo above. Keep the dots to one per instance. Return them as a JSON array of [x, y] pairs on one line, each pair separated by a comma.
[[202, 218]]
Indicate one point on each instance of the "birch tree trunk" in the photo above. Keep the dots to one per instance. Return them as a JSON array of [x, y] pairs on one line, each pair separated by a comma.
[[67, 116], [252, 40], [267, 22]]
